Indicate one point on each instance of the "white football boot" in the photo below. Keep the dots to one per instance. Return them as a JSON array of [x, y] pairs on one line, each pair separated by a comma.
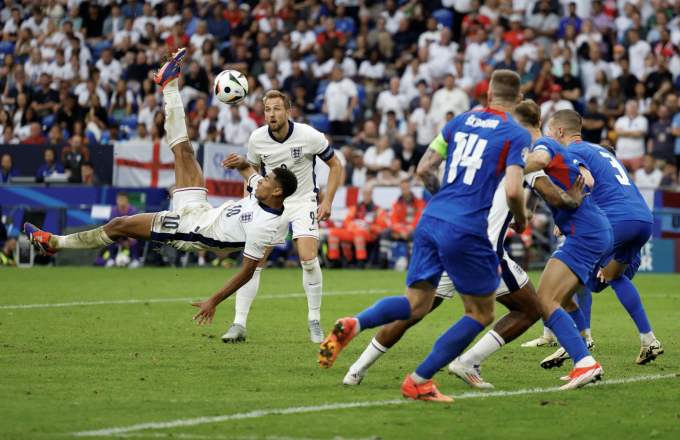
[[542, 341], [353, 378], [236, 333], [649, 353], [470, 375], [315, 331]]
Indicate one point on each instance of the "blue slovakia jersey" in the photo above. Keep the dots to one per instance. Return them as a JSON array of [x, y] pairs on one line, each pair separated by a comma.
[[479, 145], [563, 171], [614, 192]]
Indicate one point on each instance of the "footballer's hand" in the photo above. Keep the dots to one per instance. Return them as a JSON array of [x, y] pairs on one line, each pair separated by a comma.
[[232, 161], [557, 232], [576, 190], [600, 276], [518, 226], [206, 313], [324, 212]]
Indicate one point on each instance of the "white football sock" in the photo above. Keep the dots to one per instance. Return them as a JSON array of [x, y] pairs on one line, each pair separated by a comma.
[[587, 361], [368, 357], [488, 345], [547, 333], [647, 338], [175, 125], [588, 334], [312, 280], [94, 239], [418, 379], [245, 297]]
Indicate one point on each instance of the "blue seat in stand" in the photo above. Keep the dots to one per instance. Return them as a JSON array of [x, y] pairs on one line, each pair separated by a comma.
[[320, 122]]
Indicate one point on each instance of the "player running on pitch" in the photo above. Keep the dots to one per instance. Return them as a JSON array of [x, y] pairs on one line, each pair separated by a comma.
[[294, 147], [631, 222], [515, 292], [588, 242], [194, 225], [482, 148]]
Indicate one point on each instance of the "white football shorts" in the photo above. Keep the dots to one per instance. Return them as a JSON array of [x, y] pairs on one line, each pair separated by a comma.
[[513, 278], [302, 215], [189, 206]]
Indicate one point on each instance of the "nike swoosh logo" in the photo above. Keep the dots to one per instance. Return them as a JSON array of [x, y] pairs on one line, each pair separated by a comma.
[[316, 284], [312, 229], [264, 157]]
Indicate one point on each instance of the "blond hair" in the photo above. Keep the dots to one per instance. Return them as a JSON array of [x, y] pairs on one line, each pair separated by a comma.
[[569, 120], [276, 94]]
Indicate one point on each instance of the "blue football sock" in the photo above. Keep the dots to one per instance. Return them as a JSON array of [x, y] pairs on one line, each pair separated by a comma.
[[449, 346], [384, 311], [580, 321], [567, 334], [630, 298], [585, 303]]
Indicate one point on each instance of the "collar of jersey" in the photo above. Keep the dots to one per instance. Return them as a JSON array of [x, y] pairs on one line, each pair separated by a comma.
[[290, 133], [270, 210]]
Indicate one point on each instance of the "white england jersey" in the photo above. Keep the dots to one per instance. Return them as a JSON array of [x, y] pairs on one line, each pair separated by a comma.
[[194, 225], [297, 152]]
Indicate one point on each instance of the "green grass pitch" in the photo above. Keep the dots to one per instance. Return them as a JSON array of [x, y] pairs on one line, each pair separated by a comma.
[[128, 361]]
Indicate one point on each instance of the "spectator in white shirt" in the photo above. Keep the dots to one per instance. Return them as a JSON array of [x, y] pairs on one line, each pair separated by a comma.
[[637, 52], [422, 124], [147, 114], [356, 175], [527, 49], [166, 23], [554, 104], [449, 99], [545, 24], [127, 31], [476, 52], [302, 38], [238, 130], [380, 156], [631, 129], [110, 69], [85, 90], [392, 100], [647, 179], [372, 69], [60, 70], [589, 68], [139, 24], [392, 16], [37, 23], [339, 101], [432, 35], [35, 67], [442, 54], [415, 72]]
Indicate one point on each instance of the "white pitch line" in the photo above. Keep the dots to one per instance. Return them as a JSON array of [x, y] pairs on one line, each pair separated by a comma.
[[307, 409], [222, 437], [162, 300]]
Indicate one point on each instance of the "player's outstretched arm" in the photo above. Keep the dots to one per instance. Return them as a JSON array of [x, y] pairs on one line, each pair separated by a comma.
[[324, 211], [427, 170], [557, 198], [239, 163], [208, 306], [538, 159]]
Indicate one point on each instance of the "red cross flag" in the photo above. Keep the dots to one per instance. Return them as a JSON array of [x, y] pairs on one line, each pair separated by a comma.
[[143, 164]]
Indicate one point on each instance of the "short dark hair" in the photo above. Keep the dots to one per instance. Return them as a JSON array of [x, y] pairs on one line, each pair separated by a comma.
[[122, 193], [286, 180], [54, 152], [528, 113], [609, 148], [88, 163]]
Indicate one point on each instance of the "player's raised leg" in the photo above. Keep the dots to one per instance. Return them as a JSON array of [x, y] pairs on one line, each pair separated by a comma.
[[525, 310], [188, 173]]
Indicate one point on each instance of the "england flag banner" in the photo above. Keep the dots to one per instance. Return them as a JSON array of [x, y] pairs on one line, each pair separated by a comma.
[[222, 184], [143, 164]]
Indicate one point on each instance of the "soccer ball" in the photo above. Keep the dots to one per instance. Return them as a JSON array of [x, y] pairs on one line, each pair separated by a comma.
[[231, 87], [122, 259]]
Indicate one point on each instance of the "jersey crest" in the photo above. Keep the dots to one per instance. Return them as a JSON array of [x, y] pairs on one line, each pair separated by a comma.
[[246, 217], [296, 154]]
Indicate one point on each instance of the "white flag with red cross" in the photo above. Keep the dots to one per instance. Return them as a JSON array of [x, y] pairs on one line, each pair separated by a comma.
[[143, 164]]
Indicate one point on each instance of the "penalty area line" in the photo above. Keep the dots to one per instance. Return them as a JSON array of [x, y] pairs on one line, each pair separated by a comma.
[[162, 300], [307, 409]]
